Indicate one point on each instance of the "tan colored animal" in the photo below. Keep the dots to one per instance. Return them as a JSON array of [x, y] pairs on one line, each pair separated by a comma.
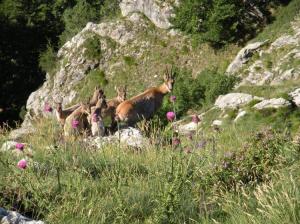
[[76, 122], [62, 114], [96, 120], [144, 105], [112, 104]]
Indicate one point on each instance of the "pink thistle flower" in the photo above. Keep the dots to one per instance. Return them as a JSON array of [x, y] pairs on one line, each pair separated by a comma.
[[176, 142], [94, 117], [75, 123], [22, 164], [172, 99], [170, 115], [47, 108], [195, 119], [20, 146]]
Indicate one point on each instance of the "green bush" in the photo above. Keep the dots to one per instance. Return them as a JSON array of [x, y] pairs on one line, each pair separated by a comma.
[[93, 48], [221, 21], [48, 60], [193, 93]]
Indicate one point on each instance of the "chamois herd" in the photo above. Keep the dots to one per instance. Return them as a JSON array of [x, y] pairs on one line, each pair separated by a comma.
[[88, 117]]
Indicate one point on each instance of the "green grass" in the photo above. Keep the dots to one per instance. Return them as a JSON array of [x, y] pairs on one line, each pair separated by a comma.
[[68, 182]]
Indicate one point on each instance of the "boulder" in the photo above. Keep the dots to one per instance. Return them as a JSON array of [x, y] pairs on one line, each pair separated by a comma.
[[234, 100], [241, 114], [243, 56], [187, 128], [272, 103], [295, 96], [283, 41], [12, 217], [8, 145], [128, 137], [217, 123], [158, 12]]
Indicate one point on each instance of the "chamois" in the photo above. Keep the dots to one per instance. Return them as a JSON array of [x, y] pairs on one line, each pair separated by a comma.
[[96, 120], [144, 105], [62, 114], [80, 117], [112, 104]]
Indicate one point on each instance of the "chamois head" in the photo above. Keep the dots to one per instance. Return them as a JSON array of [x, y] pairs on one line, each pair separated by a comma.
[[101, 103], [169, 80], [97, 92], [122, 92]]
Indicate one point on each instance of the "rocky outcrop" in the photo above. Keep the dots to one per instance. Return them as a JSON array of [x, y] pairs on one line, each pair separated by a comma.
[[128, 137], [275, 64], [12, 217], [234, 100], [158, 12], [243, 56], [272, 103], [295, 96]]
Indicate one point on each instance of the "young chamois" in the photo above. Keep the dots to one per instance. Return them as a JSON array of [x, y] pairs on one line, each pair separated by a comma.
[[62, 114], [96, 120], [112, 104], [144, 105], [76, 122]]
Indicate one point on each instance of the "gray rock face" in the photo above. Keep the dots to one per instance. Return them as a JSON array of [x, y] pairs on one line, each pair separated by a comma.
[[234, 100], [243, 56], [158, 12], [187, 128], [11, 217], [283, 41], [296, 96], [272, 103], [241, 114], [128, 137]]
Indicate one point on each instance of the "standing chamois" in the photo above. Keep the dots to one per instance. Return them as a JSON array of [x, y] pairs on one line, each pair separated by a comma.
[[62, 114], [112, 104], [144, 105], [96, 119]]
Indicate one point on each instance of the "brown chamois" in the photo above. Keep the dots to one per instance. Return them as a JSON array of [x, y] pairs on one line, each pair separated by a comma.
[[62, 114], [112, 104], [95, 119], [144, 105], [76, 122]]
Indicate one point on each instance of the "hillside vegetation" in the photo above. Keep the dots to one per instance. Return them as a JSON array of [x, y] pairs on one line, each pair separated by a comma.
[[239, 163]]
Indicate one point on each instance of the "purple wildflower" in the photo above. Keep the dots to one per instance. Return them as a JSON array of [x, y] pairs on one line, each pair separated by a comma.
[[47, 108], [22, 164], [20, 146], [195, 119], [170, 115], [172, 99], [75, 123]]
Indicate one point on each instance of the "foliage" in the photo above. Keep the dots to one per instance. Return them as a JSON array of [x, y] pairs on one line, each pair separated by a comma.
[[221, 21], [92, 47], [47, 59], [193, 93]]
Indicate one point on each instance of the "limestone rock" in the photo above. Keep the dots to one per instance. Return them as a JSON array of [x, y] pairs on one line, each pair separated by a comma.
[[296, 96], [187, 128], [12, 217], [217, 123], [158, 12], [272, 103], [241, 114], [234, 100], [128, 137], [243, 56], [283, 41], [8, 145]]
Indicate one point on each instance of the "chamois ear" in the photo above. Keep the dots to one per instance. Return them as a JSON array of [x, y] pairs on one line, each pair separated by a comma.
[[97, 87]]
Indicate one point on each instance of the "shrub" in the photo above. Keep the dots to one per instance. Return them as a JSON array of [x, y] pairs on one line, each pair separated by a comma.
[[221, 21], [93, 48], [47, 59], [216, 84]]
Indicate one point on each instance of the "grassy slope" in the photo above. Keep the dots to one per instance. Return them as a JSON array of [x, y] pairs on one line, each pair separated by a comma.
[[237, 177]]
